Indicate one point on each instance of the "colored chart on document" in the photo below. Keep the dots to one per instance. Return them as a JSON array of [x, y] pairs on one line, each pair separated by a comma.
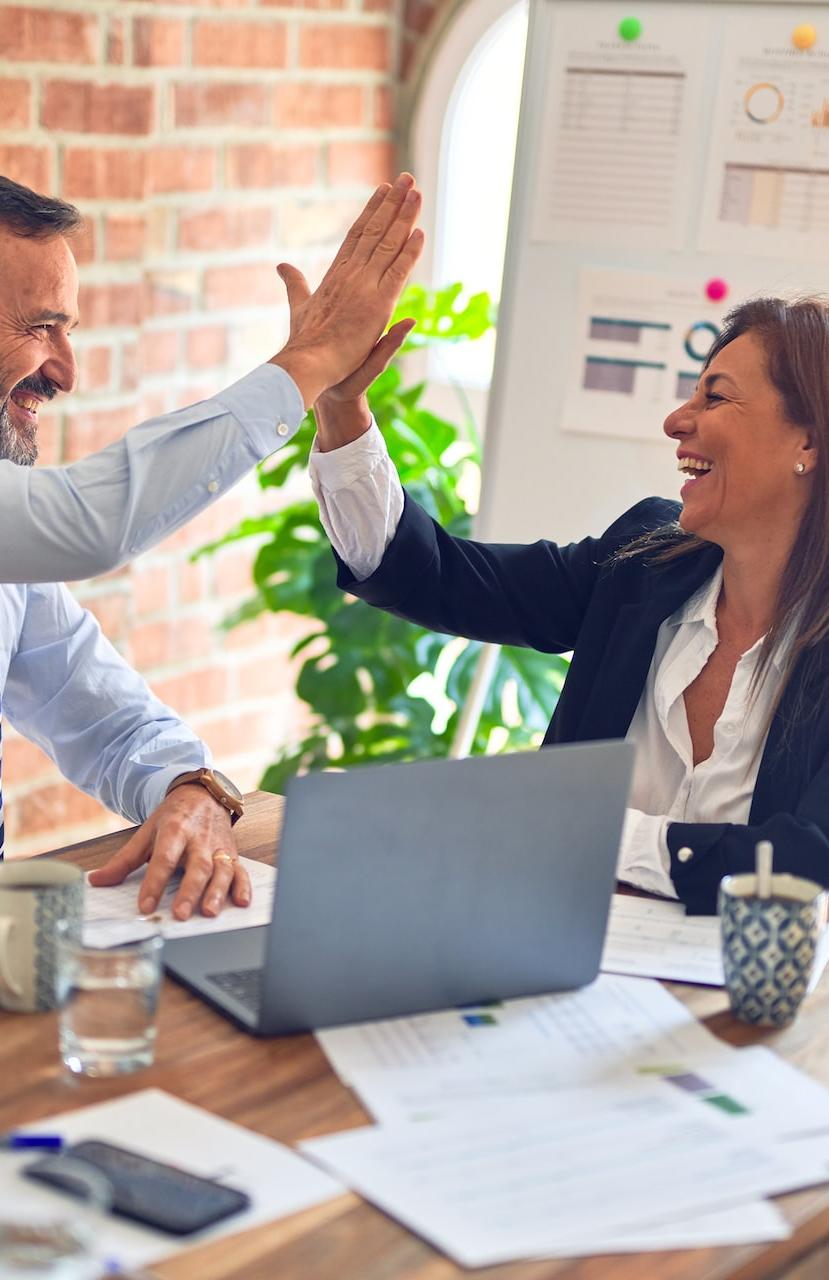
[[617, 122], [767, 188], [642, 339]]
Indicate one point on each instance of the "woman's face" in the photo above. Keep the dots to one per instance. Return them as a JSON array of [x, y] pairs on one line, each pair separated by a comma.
[[739, 452]]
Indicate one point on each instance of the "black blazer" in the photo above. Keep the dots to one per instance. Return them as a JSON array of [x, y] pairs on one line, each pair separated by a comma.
[[556, 599]]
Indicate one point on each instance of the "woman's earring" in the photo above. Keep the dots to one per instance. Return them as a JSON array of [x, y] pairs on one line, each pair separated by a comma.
[[800, 467]]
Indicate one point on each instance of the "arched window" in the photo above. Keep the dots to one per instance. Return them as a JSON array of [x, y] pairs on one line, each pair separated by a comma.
[[463, 148]]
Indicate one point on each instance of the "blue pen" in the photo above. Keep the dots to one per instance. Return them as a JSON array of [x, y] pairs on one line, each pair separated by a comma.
[[30, 1142]]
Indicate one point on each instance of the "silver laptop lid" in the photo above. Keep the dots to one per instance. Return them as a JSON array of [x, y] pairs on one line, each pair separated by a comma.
[[403, 888]]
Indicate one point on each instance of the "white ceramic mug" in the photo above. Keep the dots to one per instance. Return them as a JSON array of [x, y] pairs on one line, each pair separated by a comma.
[[34, 897]]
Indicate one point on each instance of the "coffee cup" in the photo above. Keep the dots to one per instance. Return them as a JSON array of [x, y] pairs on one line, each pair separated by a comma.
[[34, 898], [769, 944]]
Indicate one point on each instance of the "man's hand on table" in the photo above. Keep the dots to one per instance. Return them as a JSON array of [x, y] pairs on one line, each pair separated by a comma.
[[189, 829]]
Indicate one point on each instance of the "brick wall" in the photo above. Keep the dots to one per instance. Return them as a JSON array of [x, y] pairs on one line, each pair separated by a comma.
[[204, 140]]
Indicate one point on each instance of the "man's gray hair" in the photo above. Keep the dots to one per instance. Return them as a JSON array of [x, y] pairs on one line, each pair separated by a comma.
[[28, 214]]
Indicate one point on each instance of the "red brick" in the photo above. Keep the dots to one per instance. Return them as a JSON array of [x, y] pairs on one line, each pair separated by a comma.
[[94, 368], [248, 284], [220, 104], [158, 42], [153, 404], [158, 351], [268, 165], [378, 6], [102, 305], [409, 50], [26, 164], [310, 106], [112, 611], [151, 589], [207, 347], [91, 430], [345, 47], [115, 41], [47, 35], [155, 644], [15, 103], [168, 293], [239, 44], [383, 113], [418, 16], [192, 580], [124, 237], [358, 163], [232, 571], [242, 733], [197, 690], [223, 229], [23, 761], [79, 106], [48, 808], [312, 221], [84, 242], [264, 677], [180, 169], [103, 174]]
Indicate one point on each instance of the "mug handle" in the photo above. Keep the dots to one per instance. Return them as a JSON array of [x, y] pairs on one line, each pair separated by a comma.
[[6, 976]]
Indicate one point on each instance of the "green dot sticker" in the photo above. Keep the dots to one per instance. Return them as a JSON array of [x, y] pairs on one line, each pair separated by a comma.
[[630, 28]]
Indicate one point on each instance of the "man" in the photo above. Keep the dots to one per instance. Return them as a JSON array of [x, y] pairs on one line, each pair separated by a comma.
[[63, 685]]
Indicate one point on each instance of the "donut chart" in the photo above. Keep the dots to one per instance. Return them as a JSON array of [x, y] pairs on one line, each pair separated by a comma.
[[763, 102]]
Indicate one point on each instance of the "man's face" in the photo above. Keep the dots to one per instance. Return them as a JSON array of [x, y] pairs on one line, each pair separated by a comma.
[[38, 311]]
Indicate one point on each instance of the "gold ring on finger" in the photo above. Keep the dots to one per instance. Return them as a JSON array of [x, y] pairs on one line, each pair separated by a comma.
[[221, 856]]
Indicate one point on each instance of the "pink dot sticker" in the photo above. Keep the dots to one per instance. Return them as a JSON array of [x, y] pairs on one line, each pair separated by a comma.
[[716, 289]]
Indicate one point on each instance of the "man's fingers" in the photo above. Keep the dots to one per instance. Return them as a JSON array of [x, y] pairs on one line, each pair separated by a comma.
[[296, 286], [377, 227], [224, 870], [356, 229], [242, 891], [399, 231], [399, 270], [167, 851], [384, 351], [134, 854]]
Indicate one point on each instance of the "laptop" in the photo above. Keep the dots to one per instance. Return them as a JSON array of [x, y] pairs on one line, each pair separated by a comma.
[[408, 887]]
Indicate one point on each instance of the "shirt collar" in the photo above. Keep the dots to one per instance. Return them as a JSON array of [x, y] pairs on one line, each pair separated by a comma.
[[701, 607]]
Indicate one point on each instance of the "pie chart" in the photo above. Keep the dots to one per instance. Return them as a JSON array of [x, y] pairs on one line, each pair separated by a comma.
[[763, 103]]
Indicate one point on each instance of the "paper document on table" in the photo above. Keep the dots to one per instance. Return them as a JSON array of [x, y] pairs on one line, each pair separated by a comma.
[[111, 914], [616, 1024], [574, 1176], [651, 937], [156, 1124]]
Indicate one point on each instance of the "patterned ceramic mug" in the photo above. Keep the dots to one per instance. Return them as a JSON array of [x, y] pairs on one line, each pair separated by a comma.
[[769, 945], [34, 897]]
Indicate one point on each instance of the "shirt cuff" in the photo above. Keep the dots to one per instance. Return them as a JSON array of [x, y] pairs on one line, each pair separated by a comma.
[[644, 860], [155, 787], [267, 405], [340, 468]]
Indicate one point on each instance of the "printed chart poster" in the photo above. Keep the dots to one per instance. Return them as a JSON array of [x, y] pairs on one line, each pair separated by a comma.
[[618, 122], [641, 342], [767, 188]]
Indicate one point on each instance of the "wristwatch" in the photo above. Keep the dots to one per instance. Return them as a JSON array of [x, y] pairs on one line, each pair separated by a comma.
[[220, 788]]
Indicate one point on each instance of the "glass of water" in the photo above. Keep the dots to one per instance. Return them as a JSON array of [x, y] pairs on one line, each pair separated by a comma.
[[108, 1003]]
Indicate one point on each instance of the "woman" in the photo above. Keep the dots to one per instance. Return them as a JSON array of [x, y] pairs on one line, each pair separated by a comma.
[[699, 631]]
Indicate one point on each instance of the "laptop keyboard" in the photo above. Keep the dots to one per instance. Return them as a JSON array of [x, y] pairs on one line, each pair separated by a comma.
[[245, 985]]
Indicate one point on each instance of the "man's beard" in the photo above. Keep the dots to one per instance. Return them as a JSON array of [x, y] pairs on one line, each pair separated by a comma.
[[19, 444]]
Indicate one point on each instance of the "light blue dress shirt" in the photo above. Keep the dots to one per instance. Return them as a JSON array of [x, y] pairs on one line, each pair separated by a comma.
[[58, 524], [64, 685]]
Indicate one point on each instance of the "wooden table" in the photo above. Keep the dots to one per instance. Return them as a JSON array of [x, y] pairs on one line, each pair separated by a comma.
[[285, 1089]]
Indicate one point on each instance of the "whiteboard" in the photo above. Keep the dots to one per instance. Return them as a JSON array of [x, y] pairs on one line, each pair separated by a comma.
[[605, 315]]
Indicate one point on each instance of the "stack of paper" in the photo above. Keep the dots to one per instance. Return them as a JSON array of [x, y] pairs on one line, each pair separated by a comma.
[[653, 938], [600, 1120]]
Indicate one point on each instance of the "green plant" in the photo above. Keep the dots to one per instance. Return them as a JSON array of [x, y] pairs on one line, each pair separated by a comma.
[[380, 689]]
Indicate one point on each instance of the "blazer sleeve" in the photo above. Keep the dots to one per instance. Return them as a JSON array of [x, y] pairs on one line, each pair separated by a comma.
[[800, 839], [535, 595]]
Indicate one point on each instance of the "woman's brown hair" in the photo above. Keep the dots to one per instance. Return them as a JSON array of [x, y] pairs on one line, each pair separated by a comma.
[[795, 339]]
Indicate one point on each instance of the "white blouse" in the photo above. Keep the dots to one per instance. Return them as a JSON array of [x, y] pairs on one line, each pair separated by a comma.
[[361, 501]]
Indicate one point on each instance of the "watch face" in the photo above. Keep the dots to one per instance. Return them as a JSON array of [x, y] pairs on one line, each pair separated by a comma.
[[230, 787]]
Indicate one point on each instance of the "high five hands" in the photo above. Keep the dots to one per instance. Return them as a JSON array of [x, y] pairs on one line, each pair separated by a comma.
[[337, 345]]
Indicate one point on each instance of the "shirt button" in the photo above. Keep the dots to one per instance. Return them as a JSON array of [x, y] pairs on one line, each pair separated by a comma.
[[282, 428], [212, 486], [685, 854]]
